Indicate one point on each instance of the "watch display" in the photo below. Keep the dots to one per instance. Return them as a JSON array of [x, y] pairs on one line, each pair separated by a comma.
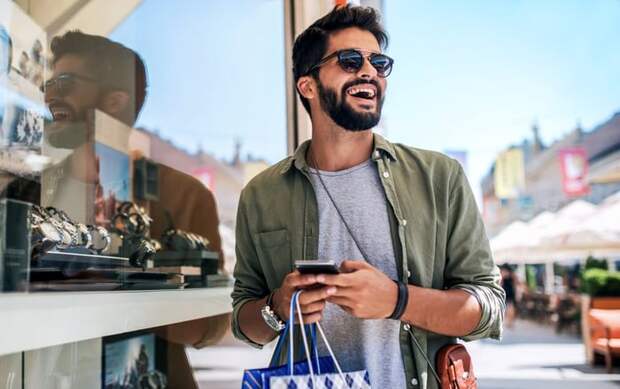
[[52, 228]]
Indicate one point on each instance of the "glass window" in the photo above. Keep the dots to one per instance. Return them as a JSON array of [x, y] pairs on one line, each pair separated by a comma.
[[128, 133]]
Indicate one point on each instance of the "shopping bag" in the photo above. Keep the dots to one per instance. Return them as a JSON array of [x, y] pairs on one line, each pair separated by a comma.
[[314, 373]]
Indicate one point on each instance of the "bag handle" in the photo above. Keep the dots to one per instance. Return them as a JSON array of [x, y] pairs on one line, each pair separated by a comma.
[[289, 330], [303, 334], [282, 339]]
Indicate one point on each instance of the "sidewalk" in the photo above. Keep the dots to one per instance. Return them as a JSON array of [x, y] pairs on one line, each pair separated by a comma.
[[534, 356], [529, 356]]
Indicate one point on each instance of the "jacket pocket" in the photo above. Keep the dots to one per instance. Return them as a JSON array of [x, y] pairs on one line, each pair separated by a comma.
[[274, 254]]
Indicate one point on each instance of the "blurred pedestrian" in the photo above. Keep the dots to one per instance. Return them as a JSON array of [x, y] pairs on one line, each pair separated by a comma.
[[509, 283]]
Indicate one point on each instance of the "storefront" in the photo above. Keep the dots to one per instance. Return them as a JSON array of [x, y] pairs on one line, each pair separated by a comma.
[[122, 159]]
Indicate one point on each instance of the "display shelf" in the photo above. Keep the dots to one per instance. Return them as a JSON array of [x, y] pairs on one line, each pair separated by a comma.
[[35, 320]]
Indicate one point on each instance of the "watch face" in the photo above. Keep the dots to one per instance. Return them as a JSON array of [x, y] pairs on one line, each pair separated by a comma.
[[85, 237], [271, 319], [50, 232], [100, 238]]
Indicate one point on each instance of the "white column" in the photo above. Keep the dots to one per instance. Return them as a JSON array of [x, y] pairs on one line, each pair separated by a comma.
[[549, 278]]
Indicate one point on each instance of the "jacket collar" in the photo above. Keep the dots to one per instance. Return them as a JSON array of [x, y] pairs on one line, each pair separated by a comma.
[[381, 146]]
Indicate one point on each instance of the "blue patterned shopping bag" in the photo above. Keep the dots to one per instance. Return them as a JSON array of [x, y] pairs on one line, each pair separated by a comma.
[[319, 373]]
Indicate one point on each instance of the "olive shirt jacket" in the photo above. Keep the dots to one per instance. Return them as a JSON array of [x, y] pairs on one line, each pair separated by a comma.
[[437, 232]]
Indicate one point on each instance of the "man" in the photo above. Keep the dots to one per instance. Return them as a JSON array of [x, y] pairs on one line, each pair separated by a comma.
[[384, 211], [93, 72]]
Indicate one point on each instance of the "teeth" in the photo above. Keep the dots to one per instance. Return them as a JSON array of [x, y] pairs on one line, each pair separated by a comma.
[[370, 92]]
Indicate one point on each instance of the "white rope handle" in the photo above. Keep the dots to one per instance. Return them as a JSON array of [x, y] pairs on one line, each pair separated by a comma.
[[331, 353], [303, 335], [291, 319]]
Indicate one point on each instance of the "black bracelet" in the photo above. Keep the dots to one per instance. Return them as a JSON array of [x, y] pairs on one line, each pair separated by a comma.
[[401, 303]]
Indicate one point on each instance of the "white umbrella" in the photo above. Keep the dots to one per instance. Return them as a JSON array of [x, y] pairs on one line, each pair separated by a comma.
[[511, 236], [601, 230], [565, 222]]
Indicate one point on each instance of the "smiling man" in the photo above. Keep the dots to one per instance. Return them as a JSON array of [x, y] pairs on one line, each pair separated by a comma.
[[415, 267]]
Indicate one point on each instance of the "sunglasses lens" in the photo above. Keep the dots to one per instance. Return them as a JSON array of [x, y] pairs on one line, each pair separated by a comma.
[[350, 60], [60, 85], [64, 85], [382, 63]]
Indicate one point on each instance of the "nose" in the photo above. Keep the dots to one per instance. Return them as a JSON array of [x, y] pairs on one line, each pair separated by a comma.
[[367, 71], [50, 94]]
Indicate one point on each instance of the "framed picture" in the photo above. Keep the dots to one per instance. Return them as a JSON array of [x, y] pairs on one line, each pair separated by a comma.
[[134, 360]]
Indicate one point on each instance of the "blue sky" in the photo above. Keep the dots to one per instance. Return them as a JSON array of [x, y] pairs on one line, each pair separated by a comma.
[[216, 73], [469, 75], [476, 74]]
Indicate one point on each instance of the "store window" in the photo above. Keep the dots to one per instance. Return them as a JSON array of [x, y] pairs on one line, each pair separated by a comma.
[[127, 135]]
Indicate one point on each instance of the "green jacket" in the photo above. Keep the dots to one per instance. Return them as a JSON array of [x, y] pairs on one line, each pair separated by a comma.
[[438, 236]]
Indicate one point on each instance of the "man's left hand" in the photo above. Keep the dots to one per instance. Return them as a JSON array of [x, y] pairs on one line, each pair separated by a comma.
[[362, 290]]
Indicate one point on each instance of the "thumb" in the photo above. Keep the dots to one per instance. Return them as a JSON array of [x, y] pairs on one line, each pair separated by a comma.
[[350, 266]]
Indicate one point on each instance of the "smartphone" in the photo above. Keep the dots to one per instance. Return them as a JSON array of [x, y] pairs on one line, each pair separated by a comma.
[[317, 267]]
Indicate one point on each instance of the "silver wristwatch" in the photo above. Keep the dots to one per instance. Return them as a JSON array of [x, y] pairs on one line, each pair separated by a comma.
[[271, 318]]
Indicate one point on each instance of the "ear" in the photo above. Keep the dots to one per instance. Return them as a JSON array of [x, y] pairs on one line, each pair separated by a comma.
[[306, 86], [115, 102]]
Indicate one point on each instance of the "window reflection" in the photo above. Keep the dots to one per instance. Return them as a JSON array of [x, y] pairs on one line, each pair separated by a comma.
[[133, 197]]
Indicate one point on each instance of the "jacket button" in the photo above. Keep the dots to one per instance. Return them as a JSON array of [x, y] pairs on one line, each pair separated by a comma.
[[414, 382], [386, 174], [406, 327], [404, 222], [408, 273], [376, 154]]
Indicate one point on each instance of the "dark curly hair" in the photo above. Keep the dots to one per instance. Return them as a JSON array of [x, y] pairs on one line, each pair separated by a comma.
[[115, 66], [309, 47]]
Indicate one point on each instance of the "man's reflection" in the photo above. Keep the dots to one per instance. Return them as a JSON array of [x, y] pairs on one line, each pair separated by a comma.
[[89, 72], [93, 72]]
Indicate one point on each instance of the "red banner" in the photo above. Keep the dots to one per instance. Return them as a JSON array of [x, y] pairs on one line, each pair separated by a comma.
[[574, 165]]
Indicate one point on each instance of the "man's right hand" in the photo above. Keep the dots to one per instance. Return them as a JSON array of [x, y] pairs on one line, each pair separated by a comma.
[[311, 301]]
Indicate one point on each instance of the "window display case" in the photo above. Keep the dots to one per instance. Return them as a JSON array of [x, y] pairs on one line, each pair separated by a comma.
[[111, 222]]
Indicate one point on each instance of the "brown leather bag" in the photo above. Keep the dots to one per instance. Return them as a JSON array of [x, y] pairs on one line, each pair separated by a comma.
[[455, 368]]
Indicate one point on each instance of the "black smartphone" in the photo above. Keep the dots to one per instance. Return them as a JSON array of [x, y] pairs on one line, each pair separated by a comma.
[[317, 267]]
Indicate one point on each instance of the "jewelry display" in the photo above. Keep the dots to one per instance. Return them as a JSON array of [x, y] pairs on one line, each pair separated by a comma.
[[132, 223], [178, 240], [52, 229]]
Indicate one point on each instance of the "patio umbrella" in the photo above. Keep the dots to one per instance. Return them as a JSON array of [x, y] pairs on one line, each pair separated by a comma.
[[599, 231]]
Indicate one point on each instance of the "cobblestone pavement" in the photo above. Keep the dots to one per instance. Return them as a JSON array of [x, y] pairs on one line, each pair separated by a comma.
[[529, 356]]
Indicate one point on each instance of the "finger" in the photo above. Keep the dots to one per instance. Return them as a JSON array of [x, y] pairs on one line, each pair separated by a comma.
[[340, 280], [343, 302], [345, 292], [313, 308], [297, 280], [313, 318], [314, 295], [350, 266]]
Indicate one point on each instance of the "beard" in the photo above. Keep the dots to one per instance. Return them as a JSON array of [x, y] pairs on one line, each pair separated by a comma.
[[342, 113]]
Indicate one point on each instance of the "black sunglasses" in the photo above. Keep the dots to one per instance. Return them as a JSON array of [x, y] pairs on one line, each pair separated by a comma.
[[352, 60], [64, 83]]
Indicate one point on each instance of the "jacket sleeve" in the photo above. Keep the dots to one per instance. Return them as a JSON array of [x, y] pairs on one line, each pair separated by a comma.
[[250, 283], [470, 264]]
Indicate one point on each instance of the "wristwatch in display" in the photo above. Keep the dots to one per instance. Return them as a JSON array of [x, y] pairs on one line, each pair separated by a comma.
[[45, 235], [85, 238], [101, 239], [271, 317], [143, 251]]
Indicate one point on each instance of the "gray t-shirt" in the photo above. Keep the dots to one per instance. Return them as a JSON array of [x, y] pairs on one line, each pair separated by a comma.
[[359, 344]]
